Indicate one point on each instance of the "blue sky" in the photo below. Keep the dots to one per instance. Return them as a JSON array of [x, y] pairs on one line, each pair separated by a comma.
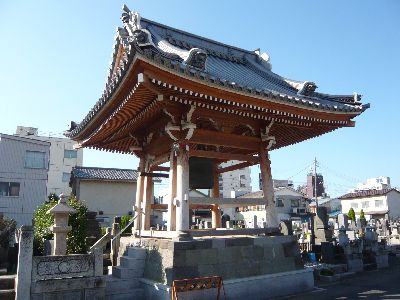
[[55, 57]]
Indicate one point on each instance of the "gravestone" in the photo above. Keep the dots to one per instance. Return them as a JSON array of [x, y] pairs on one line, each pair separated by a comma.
[[343, 220], [285, 227], [327, 253], [322, 231]]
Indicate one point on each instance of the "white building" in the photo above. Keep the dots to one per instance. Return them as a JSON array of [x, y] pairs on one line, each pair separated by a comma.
[[378, 183], [374, 203], [23, 175], [63, 157], [289, 205], [107, 191], [234, 183]]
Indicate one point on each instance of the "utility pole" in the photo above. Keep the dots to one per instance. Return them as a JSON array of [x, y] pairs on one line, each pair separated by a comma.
[[315, 182]]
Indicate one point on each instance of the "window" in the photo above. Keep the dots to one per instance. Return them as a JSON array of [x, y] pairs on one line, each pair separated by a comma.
[[365, 204], [354, 205], [70, 154], [279, 202], [66, 177], [9, 189], [378, 203], [294, 203], [35, 160], [242, 180]]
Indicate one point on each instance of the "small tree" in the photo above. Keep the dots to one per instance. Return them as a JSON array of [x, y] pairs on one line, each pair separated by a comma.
[[362, 215], [76, 238], [351, 214], [7, 229]]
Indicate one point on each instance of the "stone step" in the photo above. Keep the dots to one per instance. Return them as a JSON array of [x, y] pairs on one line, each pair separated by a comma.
[[7, 282], [118, 285], [136, 294], [124, 273], [133, 263], [136, 252], [7, 294]]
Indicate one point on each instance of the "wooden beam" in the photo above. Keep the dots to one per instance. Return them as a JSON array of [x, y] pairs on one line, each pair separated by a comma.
[[227, 202], [150, 174], [236, 167], [192, 206], [225, 156], [161, 159], [159, 168], [215, 138]]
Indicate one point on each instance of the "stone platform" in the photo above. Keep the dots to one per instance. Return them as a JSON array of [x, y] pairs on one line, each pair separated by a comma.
[[249, 265]]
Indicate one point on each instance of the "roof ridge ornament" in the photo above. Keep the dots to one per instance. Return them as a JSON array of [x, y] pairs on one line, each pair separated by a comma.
[[263, 59], [307, 89], [131, 20], [197, 58]]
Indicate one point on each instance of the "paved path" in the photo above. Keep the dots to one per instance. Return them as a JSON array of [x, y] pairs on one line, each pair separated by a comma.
[[381, 284]]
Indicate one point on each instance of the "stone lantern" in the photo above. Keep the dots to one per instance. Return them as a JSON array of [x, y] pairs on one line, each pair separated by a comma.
[[60, 229]]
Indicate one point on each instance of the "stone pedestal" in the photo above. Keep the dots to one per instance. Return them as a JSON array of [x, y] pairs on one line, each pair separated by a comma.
[[254, 266], [229, 257]]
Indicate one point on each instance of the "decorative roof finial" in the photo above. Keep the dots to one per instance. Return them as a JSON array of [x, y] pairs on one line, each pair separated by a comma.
[[130, 19]]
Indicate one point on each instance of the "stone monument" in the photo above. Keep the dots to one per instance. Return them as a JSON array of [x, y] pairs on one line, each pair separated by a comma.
[[60, 229]]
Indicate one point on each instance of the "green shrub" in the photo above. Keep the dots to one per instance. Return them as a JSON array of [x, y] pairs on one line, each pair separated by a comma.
[[124, 221], [76, 238], [351, 214], [362, 215], [7, 229]]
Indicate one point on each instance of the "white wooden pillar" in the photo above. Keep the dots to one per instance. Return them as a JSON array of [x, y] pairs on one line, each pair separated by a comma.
[[182, 189], [268, 188], [172, 192], [139, 195], [215, 211], [147, 199]]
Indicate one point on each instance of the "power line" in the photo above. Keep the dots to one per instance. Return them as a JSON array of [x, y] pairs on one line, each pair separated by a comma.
[[302, 170]]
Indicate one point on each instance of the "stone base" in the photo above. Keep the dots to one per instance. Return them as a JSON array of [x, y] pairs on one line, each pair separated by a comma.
[[355, 265], [255, 287], [85, 288], [229, 257]]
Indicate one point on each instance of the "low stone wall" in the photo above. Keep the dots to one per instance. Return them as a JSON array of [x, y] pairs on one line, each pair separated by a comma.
[[229, 257], [77, 277]]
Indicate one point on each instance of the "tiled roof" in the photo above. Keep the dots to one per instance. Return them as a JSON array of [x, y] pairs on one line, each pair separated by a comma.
[[91, 173], [367, 193], [211, 62]]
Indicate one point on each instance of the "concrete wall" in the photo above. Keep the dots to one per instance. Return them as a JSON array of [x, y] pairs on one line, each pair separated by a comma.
[[393, 199], [113, 198], [58, 163], [230, 181], [32, 182]]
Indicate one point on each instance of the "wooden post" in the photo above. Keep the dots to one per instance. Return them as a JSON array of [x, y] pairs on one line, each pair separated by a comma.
[[148, 197], [115, 229], [215, 211], [139, 195], [172, 192], [182, 189], [268, 189]]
